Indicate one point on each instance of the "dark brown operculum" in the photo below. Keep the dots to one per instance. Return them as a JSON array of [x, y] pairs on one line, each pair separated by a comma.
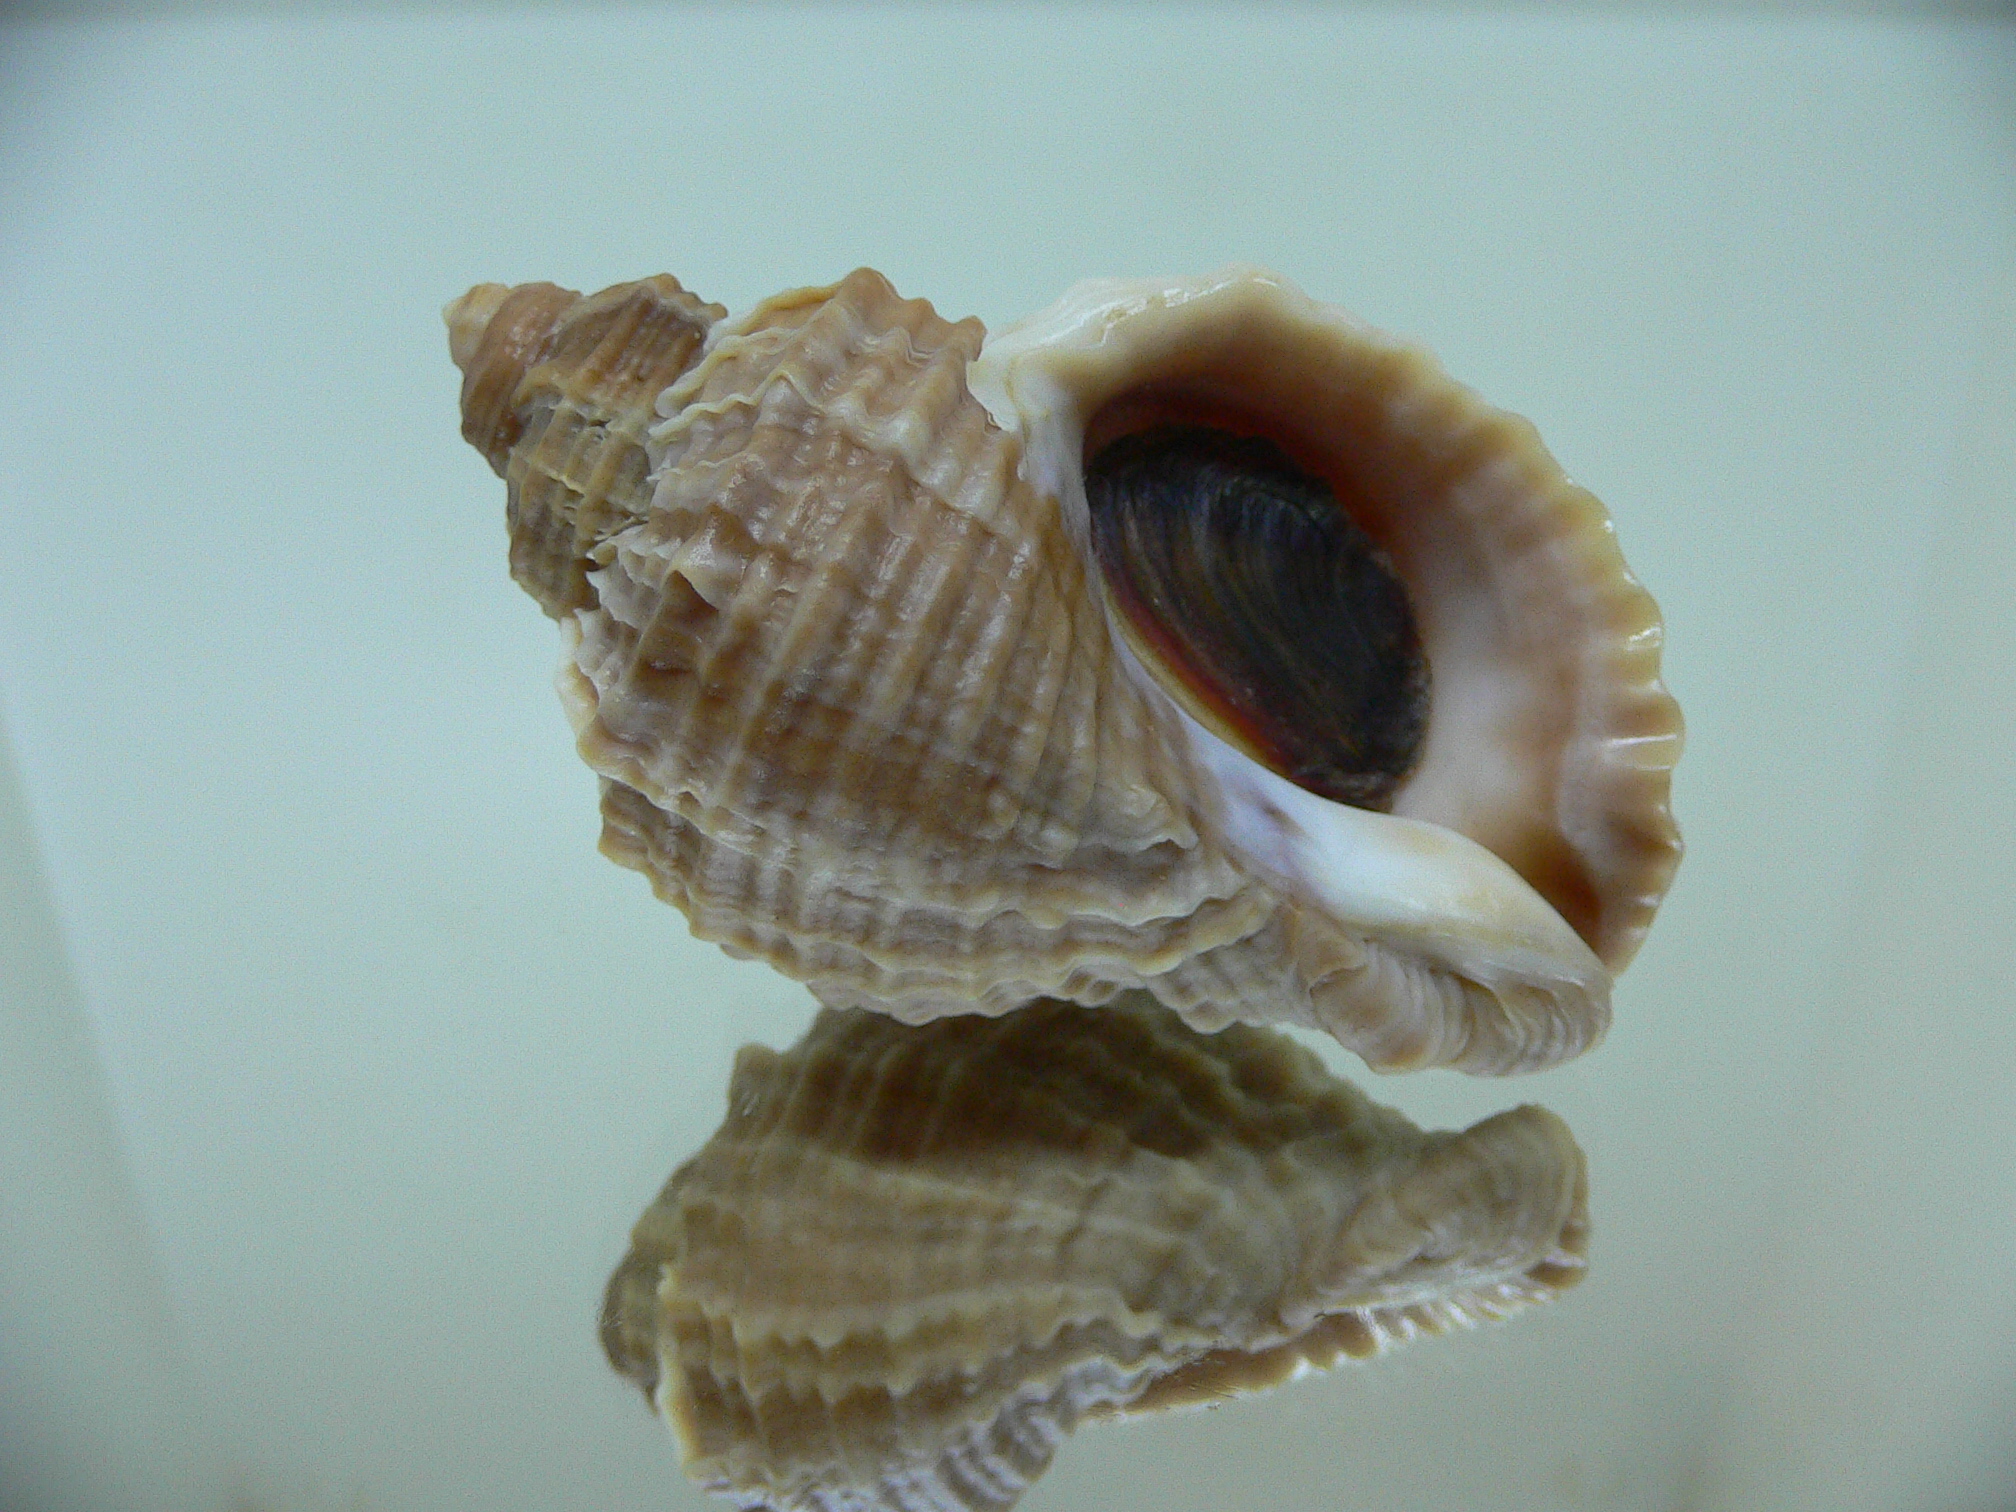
[[557, 393], [1247, 582]]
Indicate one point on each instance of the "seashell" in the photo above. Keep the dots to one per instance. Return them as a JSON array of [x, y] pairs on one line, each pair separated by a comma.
[[865, 705], [913, 1259]]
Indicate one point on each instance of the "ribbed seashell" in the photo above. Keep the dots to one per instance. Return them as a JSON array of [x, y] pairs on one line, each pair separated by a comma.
[[557, 394], [913, 1259], [863, 708]]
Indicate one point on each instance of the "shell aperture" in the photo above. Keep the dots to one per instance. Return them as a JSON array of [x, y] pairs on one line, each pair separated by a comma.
[[1551, 740], [913, 1259], [1278, 615]]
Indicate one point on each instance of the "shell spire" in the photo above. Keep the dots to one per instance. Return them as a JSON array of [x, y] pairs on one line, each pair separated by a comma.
[[557, 392]]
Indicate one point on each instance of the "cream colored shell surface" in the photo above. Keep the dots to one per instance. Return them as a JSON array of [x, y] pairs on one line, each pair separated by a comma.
[[847, 672], [914, 1258]]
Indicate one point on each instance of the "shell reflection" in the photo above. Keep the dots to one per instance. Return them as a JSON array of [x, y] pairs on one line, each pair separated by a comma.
[[913, 1259]]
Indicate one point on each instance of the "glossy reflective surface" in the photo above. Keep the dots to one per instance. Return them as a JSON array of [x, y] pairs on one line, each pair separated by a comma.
[[389, 1059]]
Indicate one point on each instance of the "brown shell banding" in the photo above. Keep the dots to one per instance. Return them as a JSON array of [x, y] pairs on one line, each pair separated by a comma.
[[557, 393], [854, 695], [913, 1259], [1552, 739], [846, 670]]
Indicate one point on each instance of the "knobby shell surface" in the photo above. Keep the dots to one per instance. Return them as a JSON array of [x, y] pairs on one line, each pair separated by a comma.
[[913, 1259], [837, 646]]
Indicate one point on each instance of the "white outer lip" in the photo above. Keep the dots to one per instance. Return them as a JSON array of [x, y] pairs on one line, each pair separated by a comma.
[[1410, 884]]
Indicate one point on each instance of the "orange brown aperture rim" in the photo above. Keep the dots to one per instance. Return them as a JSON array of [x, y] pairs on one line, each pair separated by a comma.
[[1385, 427]]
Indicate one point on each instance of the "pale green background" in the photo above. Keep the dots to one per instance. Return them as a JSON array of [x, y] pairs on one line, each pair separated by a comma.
[[335, 1063]]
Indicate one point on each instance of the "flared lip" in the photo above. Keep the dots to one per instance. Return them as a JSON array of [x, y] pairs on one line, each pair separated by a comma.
[[1572, 795]]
